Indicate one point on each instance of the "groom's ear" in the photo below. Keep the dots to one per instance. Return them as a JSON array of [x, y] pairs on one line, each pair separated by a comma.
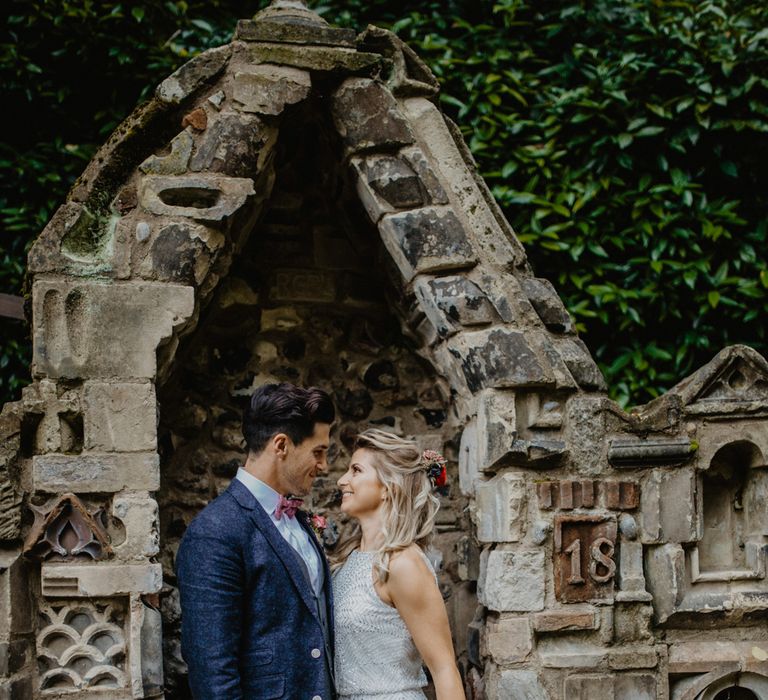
[[279, 443]]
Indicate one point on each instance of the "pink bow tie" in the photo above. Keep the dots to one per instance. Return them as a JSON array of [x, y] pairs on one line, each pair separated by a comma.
[[287, 506]]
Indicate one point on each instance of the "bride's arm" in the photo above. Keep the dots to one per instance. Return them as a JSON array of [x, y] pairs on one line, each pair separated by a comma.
[[413, 591]]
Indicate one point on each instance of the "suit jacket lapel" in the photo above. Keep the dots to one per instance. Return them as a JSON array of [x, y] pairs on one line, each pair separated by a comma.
[[284, 551], [303, 519]]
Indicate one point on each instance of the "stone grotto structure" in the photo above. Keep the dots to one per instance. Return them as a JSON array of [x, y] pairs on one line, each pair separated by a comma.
[[295, 206]]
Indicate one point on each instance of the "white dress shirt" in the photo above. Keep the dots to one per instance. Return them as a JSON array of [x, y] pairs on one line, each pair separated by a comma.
[[293, 533]]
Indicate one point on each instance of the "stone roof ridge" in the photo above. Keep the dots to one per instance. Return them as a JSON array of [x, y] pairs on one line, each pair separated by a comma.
[[730, 366], [735, 379]]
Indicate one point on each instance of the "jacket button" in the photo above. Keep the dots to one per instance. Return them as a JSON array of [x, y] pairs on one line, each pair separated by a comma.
[[316, 697], [316, 655]]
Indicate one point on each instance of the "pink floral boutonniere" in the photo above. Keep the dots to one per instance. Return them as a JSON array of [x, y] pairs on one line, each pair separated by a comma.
[[318, 523]]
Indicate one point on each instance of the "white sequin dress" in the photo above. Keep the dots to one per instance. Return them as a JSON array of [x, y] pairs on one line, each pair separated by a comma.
[[376, 658]]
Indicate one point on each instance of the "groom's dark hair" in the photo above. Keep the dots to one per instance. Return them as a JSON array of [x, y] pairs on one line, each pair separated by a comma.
[[285, 408]]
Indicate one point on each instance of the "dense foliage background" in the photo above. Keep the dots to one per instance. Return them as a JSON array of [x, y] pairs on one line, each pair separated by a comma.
[[627, 142]]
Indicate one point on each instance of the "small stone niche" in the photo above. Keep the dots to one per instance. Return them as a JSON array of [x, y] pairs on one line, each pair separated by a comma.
[[733, 516]]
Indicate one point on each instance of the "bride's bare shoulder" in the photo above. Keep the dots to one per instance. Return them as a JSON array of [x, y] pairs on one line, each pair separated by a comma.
[[409, 563]]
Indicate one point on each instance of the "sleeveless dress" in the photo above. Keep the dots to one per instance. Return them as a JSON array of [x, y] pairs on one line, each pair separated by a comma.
[[376, 658]]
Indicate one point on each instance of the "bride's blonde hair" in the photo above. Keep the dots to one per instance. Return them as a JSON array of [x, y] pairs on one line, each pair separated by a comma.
[[410, 507]]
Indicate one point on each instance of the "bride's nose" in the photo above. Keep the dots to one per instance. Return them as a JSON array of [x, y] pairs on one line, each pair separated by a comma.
[[340, 482]]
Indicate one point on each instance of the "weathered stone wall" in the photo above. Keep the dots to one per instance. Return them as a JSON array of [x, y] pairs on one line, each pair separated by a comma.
[[307, 301], [294, 205]]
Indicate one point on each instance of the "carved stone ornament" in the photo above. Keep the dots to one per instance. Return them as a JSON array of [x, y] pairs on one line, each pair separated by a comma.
[[79, 647], [66, 529]]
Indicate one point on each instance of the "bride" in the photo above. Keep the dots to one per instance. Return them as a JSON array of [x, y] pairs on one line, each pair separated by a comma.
[[389, 611]]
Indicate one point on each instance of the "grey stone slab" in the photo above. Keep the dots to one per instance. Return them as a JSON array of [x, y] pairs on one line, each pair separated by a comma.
[[547, 304], [668, 506], [501, 358], [267, 88], [294, 33], [193, 75], [665, 578], [173, 163], [96, 472], [634, 452], [508, 639], [367, 116], [513, 581], [92, 330], [500, 508], [431, 239], [99, 580], [119, 417], [338, 60], [515, 684], [580, 364], [201, 197]]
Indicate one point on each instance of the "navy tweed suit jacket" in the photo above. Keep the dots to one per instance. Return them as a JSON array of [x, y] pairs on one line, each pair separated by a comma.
[[250, 626]]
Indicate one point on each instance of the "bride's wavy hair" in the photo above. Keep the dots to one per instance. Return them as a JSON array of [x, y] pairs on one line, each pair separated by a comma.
[[410, 507]]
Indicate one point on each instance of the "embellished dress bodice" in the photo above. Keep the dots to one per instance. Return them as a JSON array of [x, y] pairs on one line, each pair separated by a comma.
[[376, 658]]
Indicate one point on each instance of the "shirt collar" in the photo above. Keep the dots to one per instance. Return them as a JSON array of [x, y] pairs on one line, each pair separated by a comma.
[[267, 497]]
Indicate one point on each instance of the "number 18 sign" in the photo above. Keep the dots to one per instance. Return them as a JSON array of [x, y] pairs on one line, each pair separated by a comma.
[[585, 566]]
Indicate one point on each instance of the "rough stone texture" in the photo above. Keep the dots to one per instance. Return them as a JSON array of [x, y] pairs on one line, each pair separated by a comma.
[[667, 507], [665, 571], [119, 417], [293, 31], [235, 144], [502, 358], [508, 640], [90, 473], [409, 76], [387, 183], [580, 363], [367, 116], [10, 496], [513, 581], [517, 684], [640, 686], [193, 75], [566, 620], [496, 428], [183, 253], [500, 247], [317, 59], [469, 470], [97, 580], [91, 330], [500, 508], [207, 198], [453, 302], [547, 304], [268, 88], [630, 574], [570, 652], [139, 516], [173, 163], [426, 240]]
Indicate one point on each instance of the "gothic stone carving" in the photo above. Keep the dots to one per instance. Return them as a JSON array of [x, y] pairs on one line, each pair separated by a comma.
[[66, 529]]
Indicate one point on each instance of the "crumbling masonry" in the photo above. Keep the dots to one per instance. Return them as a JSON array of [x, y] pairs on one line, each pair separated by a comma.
[[295, 206]]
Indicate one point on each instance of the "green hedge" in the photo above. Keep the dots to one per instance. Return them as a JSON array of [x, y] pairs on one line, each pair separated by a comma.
[[626, 142]]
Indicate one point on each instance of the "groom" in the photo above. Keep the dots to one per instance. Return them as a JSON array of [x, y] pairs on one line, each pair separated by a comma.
[[255, 587]]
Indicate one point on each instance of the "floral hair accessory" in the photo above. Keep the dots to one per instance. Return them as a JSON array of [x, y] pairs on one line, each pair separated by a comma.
[[435, 467]]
